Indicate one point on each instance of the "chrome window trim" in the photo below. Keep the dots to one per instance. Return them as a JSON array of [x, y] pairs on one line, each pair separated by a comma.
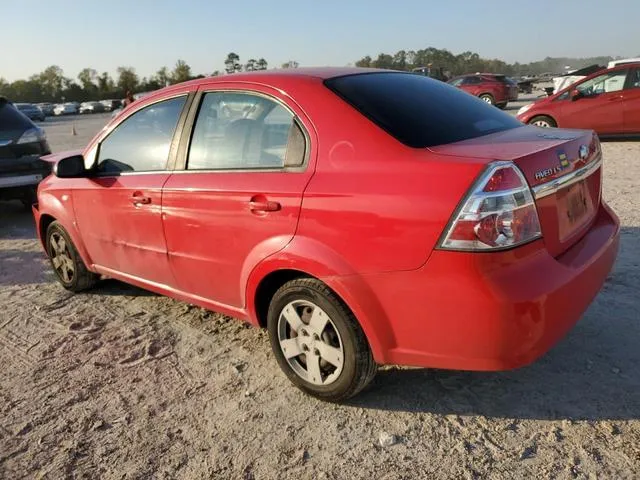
[[570, 178]]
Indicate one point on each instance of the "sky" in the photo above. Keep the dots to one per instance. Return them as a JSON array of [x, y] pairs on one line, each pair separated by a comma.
[[149, 34]]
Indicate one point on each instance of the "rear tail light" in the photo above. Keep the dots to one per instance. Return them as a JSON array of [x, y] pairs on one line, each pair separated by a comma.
[[32, 135], [498, 213]]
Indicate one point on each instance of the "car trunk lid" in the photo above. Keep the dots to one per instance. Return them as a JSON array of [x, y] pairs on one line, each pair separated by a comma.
[[561, 166]]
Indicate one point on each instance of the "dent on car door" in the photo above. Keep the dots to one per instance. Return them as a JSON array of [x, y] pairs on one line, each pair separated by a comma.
[[118, 208], [238, 198], [632, 103]]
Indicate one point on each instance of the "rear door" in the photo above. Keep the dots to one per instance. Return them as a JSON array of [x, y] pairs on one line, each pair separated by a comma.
[[632, 102], [600, 106], [118, 209], [238, 196]]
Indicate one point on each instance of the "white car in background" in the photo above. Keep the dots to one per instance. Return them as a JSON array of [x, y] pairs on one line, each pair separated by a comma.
[[65, 109]]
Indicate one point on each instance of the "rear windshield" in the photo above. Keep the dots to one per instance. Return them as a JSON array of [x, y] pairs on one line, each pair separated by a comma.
[[418, 111], [11, 119]]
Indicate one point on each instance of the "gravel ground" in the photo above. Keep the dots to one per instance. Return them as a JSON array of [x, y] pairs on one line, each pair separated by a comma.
[[121, 383]]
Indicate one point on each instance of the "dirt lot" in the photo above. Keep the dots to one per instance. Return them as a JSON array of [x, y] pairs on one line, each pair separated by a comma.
[[121, 383]]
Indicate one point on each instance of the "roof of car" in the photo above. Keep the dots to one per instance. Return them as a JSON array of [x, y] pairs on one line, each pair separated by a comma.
[[273, 77]]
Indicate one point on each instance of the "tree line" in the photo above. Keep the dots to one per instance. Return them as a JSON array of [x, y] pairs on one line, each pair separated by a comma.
[[51, 85], [470, 62]]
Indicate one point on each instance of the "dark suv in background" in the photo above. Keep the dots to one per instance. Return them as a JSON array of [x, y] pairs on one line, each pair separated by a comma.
[[22, 143], [494, 89]]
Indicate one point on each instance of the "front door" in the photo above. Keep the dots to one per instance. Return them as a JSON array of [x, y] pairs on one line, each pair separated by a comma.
[[632, 103], [118, 209], [238, 199], [599, 106]]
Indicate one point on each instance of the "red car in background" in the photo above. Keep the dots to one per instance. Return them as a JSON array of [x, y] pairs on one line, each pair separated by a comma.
[[607, 101], [493, 89], [362, 216]]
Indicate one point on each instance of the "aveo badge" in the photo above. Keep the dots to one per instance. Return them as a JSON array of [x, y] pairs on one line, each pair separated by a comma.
[[564, 162]]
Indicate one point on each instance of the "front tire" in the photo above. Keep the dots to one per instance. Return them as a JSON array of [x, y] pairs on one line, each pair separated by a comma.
[[487, 98], [67, 264], [318, 342], [543, 121]]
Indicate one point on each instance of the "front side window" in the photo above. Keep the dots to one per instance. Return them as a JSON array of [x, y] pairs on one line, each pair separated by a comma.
[[634, 81], [605, 83], [456, 82], [244, 131], [141, 142]]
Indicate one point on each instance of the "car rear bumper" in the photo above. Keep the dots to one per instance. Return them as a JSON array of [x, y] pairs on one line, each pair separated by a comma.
[[487, 311], [21, 175]]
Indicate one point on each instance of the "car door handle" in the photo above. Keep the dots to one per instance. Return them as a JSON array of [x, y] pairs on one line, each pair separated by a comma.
[[139, 199], [256, 205]]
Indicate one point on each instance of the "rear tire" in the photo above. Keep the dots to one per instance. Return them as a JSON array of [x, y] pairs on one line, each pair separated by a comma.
[[487, 98], [311, 325], [67, 264], [543, 121]]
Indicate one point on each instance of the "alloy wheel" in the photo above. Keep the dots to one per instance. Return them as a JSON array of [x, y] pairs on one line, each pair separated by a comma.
[[310, 342], [61, 257]]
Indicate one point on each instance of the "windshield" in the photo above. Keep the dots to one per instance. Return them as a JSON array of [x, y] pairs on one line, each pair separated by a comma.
[[418, 111]]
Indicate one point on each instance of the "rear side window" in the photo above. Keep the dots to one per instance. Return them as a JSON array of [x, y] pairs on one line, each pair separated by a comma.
[[418, 111], [471, 81], [11, 119], [237, 130]]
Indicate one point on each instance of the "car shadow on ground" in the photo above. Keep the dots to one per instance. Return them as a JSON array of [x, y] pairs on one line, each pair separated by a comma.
[[16, 221], [116, 288], [591, 374]]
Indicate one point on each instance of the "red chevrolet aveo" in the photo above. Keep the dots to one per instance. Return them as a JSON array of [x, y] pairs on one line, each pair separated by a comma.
[[363, 217]]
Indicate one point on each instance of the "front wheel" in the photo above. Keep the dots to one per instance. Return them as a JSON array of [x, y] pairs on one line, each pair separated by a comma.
[[67, 264], [543, 121], [318, 342], [487, 98]]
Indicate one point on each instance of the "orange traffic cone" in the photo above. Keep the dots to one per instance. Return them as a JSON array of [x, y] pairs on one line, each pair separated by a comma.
[[73, 130]]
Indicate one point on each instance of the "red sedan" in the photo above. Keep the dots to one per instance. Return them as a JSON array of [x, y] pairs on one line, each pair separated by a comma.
[[493, 89], [607, 101], [363, 217]]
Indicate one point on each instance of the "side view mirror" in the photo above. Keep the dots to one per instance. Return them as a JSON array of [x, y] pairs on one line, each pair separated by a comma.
[[575, 94], [70, 167]]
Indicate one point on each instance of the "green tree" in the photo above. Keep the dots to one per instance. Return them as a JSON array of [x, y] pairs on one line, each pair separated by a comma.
[[106, 86], [365, 62], [127, 79], [251, 65], [163, 76], [51, 82], [232, 63], [261, 64], [87, 78], [290, 64], [181, 72]]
